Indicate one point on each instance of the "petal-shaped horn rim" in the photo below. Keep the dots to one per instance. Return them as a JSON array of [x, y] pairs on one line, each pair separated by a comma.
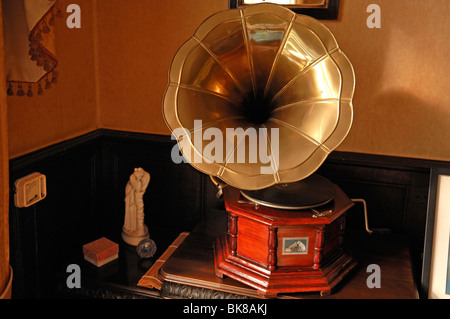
[[337, 62]]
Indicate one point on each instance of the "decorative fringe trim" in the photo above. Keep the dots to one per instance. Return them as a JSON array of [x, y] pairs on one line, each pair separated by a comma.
[[18, 87], [39, 54]]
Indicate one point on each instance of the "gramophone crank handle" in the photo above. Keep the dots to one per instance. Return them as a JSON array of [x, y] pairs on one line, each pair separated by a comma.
[[328, 212], [318, 214], [366, 219]]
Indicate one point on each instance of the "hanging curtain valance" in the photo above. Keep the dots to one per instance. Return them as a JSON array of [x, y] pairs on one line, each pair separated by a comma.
[[30, 45]]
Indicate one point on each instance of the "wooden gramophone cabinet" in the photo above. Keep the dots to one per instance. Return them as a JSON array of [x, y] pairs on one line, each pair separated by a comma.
[[284, 251]]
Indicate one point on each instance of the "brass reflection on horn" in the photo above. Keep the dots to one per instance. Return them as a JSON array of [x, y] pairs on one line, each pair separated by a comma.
[[264, 68]]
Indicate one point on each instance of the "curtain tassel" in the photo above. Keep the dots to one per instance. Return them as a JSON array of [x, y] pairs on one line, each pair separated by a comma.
[[54, 76], [45, 27], [10, 90], [51, 21], [20, 92], [40, 90], [48, 85], [30, 91]]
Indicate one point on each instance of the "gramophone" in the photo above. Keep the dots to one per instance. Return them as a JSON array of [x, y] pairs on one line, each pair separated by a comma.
[[257, 99]]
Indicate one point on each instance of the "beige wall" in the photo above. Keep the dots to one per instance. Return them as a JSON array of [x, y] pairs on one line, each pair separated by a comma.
[[114, 71], [68, 109], [402, 99], [135, 50]]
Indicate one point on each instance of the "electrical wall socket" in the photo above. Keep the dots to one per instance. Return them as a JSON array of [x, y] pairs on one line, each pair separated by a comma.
[[30, 190]]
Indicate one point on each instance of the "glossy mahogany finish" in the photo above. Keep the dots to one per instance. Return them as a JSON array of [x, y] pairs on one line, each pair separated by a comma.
[[255, 249]]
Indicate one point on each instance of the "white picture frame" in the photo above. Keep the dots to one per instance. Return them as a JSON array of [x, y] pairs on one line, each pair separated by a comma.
[[436, 261]]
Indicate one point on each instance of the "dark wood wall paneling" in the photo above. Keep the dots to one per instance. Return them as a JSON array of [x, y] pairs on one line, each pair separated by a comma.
[[86, 179], [45, 233], [395, 190]]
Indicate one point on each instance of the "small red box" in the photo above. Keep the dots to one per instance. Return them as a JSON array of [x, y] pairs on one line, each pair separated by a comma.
[[101, 251]]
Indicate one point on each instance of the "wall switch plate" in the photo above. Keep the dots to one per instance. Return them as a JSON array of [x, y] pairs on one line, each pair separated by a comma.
[[30, 190]]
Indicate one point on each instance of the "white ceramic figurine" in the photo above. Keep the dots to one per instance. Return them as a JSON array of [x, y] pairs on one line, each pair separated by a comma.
[[134, 230]]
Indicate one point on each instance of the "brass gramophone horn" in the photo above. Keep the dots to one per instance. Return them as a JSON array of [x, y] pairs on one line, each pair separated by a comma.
[[259, 96]]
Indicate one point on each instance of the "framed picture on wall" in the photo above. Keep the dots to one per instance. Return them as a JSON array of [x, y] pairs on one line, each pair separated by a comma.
[[319, 9], [436, 258]]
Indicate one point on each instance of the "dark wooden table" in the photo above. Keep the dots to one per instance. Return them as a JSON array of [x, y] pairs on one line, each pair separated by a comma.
[[189, 271]]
